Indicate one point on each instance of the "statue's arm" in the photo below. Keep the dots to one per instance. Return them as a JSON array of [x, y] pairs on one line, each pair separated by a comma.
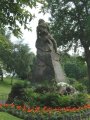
[[38, 32], [54, 43]]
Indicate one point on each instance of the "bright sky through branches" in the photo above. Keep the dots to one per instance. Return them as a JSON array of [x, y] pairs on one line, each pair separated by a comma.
[[29, 37]]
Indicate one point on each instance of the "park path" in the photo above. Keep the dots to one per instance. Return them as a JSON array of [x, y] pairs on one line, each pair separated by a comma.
[[2, 101], [3, 98]]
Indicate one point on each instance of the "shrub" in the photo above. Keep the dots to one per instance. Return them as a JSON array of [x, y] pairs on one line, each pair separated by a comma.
[[44, 89], [17, 93], [80, 87], [71, 80], [46, 116], [31, 97], [55, 100], [78, 100], [49, 99]]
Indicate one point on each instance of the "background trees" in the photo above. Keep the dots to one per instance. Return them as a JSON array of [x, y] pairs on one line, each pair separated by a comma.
[[74, 66], [14, 14], [16, 58], [22, 60], [5, 52], [71, 24]]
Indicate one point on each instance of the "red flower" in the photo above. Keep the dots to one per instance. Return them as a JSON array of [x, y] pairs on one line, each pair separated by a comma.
[[18, 107], [0, 105], [29, 110], [6, 105], [12, 105]]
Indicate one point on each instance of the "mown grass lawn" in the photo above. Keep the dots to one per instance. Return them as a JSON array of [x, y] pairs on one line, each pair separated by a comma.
[[5, 86], [5, 89], [6, 116]]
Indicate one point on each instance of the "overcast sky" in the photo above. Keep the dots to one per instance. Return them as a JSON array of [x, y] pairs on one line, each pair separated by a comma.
[[28, 36]]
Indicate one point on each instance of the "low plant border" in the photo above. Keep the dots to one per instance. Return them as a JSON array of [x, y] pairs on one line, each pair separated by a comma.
[[48, 113]]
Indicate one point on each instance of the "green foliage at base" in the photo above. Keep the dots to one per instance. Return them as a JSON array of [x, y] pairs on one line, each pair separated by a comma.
[[31, 97], [58, 116], [17, 92], [54, 100], [80, 87]]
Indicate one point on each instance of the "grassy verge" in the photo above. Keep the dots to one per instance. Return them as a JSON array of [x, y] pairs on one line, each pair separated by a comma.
[[5, 86], [6, 116]]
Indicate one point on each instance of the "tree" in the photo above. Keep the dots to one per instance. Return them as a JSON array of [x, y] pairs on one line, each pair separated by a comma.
[[5, 52], [1, 73], [5, 49], [71, 24], [22, 60], [74, 66], [13, 12], [74, 70], [16, 58]]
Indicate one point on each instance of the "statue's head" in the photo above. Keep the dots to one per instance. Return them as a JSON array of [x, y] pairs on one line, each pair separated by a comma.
[[41, 21]]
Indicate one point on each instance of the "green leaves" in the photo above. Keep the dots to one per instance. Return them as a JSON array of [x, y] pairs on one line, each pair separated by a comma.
[[14, 13], [5, 50], [69, 20], [4, 43], [22, 60]]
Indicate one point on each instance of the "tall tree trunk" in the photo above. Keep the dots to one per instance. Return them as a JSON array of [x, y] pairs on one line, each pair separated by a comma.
[[87, 55], [2, 77], [1, 74]]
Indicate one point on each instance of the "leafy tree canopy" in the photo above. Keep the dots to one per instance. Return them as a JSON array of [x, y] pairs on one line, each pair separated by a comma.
[[5, 46], [74, 66], [70, 21], [5, 51], [13, 12]]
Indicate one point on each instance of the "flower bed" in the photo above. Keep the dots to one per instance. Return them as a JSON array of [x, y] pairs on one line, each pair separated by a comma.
[[43, 113]]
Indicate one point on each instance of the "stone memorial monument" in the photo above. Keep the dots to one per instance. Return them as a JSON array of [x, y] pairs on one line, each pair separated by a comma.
[[47, 66]]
